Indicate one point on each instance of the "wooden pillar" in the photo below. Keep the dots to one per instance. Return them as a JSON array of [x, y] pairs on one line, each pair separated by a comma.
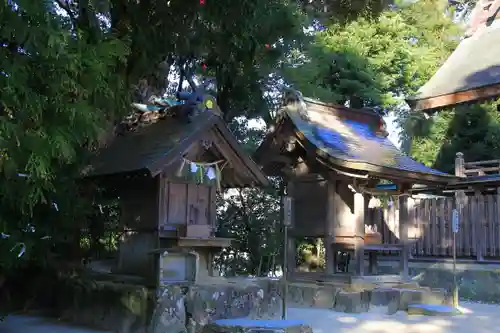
[[403, 237], [291, 249], [330, 264], [459, 165], [460, 199], [292, 253], [359, 230], [478, 223]]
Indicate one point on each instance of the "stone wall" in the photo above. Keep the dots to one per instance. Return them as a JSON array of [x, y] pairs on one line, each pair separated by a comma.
[[477, 282], [126, 308], [362, 298], [110, 306]]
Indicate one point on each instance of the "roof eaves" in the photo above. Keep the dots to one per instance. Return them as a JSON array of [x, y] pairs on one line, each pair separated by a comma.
[[377, 170], [205, 121], [255, 170]]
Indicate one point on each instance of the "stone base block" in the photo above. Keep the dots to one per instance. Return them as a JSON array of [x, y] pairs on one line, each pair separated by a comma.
[[432, 310], [309, 295], [257, 326], [224, 298], [352, 301], [400, 299]]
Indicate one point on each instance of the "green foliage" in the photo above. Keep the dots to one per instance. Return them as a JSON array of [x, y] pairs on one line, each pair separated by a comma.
[[252, 218], [229, 36], [372, 61], [67, 77], [473, 130], [58, 93], [343, 11], [311, 255]]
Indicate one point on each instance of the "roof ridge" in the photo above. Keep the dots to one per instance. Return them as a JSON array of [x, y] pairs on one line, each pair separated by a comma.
[[295, 96]]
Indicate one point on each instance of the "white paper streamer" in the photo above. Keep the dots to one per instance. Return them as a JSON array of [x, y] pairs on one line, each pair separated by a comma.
[[211, 173]]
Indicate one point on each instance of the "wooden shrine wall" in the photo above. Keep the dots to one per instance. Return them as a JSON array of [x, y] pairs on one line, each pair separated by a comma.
[[309, 208], [430, 226], [139, 215], [184, 204]]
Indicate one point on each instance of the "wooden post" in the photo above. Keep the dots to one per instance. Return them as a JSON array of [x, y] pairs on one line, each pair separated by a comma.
[[290, 241], [403, 237], [460, 195], [459, 165], [478, 224], [359, 230], [330, 264], [286, 214]]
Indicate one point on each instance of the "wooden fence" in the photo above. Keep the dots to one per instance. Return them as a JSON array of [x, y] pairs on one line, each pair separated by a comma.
[[430, 226]]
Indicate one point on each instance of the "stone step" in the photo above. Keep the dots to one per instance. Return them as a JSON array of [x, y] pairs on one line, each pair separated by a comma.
[[257, 326], [398, 299], [357, 301], [432, 310]]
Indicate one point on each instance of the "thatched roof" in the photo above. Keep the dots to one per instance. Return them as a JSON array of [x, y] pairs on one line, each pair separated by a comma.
[[472, 72]]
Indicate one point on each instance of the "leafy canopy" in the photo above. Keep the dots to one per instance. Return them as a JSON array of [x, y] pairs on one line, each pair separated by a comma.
[[374, 61]]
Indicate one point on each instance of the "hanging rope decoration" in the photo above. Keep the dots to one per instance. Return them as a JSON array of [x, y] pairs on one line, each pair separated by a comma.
[[211, 170]]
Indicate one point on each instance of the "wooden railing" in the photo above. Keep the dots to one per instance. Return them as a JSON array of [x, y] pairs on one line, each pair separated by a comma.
[[430, 219], [430, 226], [481, 168]]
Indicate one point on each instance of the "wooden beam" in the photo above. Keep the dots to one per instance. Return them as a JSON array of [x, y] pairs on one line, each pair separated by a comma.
[[239, 162], [473, 95], [231, 156]]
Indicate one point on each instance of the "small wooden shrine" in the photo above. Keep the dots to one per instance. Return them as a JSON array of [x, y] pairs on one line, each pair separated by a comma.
[[166, 168], [472, 72], [333, 157]]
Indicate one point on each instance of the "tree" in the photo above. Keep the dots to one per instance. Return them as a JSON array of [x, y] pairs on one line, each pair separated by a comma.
[[473, 130], [373, 61], [69, 72], [56, 90], [252, 218]]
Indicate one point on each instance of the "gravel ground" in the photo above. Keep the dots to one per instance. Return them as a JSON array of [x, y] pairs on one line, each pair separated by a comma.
[[477, 318]]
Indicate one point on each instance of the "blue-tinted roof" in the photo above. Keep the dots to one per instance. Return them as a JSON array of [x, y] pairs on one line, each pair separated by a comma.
[[351, 141]]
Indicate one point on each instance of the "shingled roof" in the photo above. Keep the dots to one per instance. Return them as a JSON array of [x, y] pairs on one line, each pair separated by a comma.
[[163, 140], [472, 72], [348, 138]]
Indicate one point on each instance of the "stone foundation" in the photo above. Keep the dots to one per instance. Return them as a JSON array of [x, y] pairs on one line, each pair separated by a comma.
[[351, 300], [110, 306], [126, 308], [477, 282]]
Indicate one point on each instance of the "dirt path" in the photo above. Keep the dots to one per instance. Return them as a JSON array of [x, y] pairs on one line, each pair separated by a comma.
[[478, 318]]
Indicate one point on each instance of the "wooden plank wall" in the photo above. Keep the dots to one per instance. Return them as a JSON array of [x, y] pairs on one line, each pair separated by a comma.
[[186, 204], [430, 226]]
